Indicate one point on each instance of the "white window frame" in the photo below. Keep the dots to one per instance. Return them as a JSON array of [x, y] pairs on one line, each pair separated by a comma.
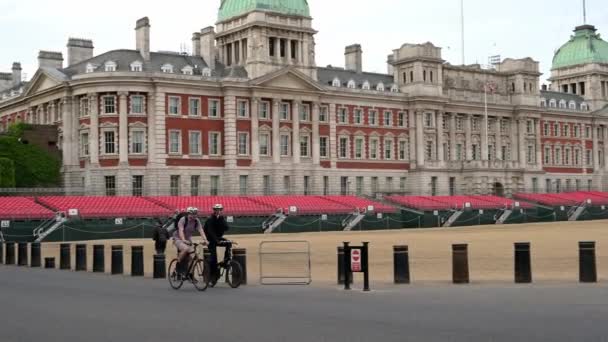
[[324, 114], [285, 111], [343, 115], [104, 105], [137, 66], [388, 148], [305, 140], [188, 70], [552, 103], [373, 152], [104, 142], [132, 133], [218, 108], [359, 149], [179, 105], [284, 149], [572, 105], [84, 107], [132, 107], [366, 86], [360, 119], [402, 119], [380, 86], [336, 83], [198, 106], [219, 144], [90, 68], [206, 72], [238, 141], [267, 146], [324, 152], [84, 144], [346, 147], [304, 114], [372, 117], [562, 104], [387, 114], [179, 142], [351, 84], [167, 68], [110, 66], [242, 109], [403, 149], [264, 110], [198, 142]]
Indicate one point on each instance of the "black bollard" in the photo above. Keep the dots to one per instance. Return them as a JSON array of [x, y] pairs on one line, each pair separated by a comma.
[[137, 261], [460, 264], [22, 253], [117, 260], [64, 256], [523, 268], [49, 262], [99, 260], [587, 267], [365, 265], [35, 254], [81, 258], [240, 255], [401, 263], [10, 253], [348, 274], [340, 265], [160, 266], [1, 252]]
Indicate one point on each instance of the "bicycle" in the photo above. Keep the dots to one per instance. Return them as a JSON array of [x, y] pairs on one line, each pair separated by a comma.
[[228, 268], [197, 272]]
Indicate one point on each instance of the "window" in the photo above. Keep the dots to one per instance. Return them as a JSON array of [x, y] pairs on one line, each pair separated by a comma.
[[547, 155], [555, 129], [336, 82], [558, 156], [388, 149], [84, 107], [195, 142], [305, 112], [264, 110], [243, 184], [110, 182], [374, 184], [109, 105], [403, 155], [84, 144], [325, 185], [380, 87], [174, 105], [214, 187], [243, 109], [266, 184], [373, 117], [578, 184], [137, 141], [552, 103], [566, 130], [175, 142], [187, 70], [323, 147], [351, 84], [534, 184], [589, 157], [109, 142], [402, 119], [433, 186], [344, 183], [194, 108], [358, 116], [214, 108], [323, 113], [373, 148], [459, 125], [90, 68], [366, 86], [264, 144], [459, 152], [530, 154], [402, 183], [572, 105], [388, 118], [445, 122], [342, 116], [584, 107], [284, 140], [428, 120], [475, 124], [243, 144], [546, 129], [138, 186], [395, 88], [543, 102], [529, 127], [358, 148], [137, 66], [137, 104], [215, 144], [343, 148], [475, 151], [285, 111], [167, 68], [304, 146], [359, 185], [506, 152], [577, 157], [452, 186], [562, 104], [195, 185], [428, 151], [306, 185], [110, 66], [587, 132], [576, 131], [589, 185]]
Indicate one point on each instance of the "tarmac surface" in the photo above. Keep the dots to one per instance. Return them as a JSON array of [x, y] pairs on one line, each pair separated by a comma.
[[53, 305]]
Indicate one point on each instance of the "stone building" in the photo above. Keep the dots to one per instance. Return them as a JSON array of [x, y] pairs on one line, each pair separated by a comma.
[[249, 111]]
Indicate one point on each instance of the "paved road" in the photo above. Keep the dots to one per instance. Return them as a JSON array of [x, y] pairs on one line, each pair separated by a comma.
[[41, 305]]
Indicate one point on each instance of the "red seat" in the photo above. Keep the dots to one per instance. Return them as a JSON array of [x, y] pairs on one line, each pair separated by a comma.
[[106, 207], [23, 208]]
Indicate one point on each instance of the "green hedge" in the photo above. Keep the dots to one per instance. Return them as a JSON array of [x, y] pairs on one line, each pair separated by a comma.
[[7, 173]]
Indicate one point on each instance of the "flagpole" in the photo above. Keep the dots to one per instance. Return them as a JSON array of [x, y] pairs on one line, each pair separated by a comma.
[[485, 136]]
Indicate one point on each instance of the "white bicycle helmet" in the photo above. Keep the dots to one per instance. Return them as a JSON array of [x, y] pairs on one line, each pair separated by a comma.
[[218, 207], [192, 210]]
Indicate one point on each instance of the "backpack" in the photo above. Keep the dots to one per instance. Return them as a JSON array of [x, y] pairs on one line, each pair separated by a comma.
[[171, 225]]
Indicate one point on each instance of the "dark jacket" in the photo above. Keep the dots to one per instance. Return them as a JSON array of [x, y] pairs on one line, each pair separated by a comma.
[[160, 234], [214, 228]]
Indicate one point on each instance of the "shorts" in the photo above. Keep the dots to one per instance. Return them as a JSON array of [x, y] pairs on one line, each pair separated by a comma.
[[183, 246]]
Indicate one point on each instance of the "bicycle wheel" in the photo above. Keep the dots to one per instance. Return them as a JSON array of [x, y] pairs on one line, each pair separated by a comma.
[[198, 276], [234, 274], [175, 281]]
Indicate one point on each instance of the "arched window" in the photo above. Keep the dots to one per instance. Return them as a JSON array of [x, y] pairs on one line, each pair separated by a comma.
[[562, 104], [572, 105], [110, 66], [366, 85], [543, 102], [584, 107], [336, 82], [90, 68], [137, 66], [395, 88], [167, 68], [380, 86], [351, 84], [552, 103]]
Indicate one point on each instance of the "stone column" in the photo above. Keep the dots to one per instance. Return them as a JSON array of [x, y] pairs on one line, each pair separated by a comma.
[[453, 156], [411, 137], [295, 116], [596, 161], [522, 143], [539, 152], [255, 124], [440, 141], [419, 139], [94, 130], [288, 51], [151, 146], [316, 146], [605, 161], [123, 127], [333, 152], [67, 127], [75, 131], [467, 133], [276, 128], [230, 180], [498, 145], [484, 138]]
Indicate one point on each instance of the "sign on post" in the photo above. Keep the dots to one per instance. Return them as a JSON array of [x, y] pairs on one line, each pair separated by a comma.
[[118, 221], [5, 224], [230, 219], [73, 212], [355, 260]]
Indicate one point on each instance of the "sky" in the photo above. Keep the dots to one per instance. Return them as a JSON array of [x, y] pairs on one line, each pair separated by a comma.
[[511, 28]]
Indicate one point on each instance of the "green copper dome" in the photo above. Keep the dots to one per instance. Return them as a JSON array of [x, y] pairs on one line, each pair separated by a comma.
[[584, 47], [234, 8]]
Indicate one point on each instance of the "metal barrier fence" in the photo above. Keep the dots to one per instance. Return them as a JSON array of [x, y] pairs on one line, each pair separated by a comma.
[[285, 263]]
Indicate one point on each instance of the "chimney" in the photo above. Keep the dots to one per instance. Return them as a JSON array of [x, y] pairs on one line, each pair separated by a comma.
[[16, 73], [50, 59], [389, 64], [544, 87], [142, 37], [208, 46], [353, 54], [196, 44], [79, 50]]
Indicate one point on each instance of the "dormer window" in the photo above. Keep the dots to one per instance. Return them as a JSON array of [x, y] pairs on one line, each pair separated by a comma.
[[187, 70], [137, 66], [90, 68], [543, 102], [366, 85], [167, 68], [584, 107], [380, 86], [562, 104], [553, 103], [395, 88], [351, 84], [110, 66], [572, 105], [336, 82], [206, 72]]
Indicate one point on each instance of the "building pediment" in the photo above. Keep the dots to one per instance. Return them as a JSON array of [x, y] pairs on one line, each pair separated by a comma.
[[43, 80], [287, 78]]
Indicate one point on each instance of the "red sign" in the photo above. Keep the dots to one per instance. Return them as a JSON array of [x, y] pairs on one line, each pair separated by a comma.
[[355, 260]]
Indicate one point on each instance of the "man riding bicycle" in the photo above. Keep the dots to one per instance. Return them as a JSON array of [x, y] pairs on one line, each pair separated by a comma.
[[182, 238], [214, 229]]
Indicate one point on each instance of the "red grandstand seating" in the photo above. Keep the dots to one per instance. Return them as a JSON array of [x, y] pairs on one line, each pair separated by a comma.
[[565, 199], [361, 203], [21, 208], [106, 207], [503, 202], [417, 202], [454, 202], [233, 206], [307, 205]]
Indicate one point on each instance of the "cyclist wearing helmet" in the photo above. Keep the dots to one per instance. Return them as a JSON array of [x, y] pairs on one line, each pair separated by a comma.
[[182, 238], [215, 227]]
